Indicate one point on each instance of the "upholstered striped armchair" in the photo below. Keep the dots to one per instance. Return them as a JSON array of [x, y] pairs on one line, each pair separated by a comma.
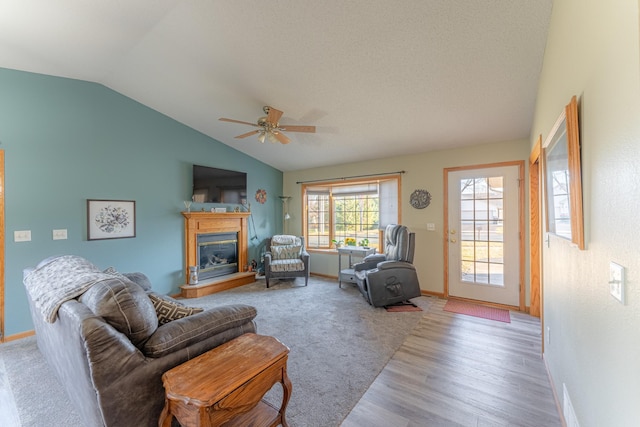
[[286, 258]]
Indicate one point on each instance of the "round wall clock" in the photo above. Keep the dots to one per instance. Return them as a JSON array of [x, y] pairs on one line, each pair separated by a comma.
[[420, 199]]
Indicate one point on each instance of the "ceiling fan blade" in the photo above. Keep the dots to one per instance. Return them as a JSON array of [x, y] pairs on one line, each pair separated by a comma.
[[291, 128], [244, 135], [281, 137], [237, 121], [274, 115]]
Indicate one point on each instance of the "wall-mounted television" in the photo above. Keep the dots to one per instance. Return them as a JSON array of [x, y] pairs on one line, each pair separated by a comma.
[[213, 185]]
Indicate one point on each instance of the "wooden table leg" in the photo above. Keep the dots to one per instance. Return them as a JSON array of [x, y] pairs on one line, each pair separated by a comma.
[[165, 416], [286, 395]]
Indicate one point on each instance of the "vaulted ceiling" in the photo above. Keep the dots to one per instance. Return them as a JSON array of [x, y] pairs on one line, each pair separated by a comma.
[[377, 78]]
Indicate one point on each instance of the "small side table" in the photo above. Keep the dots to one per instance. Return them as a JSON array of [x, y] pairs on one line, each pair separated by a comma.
[[226, 385], [348, 274]]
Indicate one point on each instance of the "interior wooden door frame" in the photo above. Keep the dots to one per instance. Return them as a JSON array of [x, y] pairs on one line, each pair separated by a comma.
[[2, 241], [521, 224], [535, 216]]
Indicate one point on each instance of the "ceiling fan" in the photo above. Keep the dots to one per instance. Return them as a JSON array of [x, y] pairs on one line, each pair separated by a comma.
[[269, 128]]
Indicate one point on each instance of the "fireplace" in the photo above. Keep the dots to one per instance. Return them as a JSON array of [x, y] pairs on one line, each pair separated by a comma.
[[218, 244], [217, 254]]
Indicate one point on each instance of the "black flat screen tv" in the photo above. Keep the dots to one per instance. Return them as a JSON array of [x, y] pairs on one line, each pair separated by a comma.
[[213, 185]]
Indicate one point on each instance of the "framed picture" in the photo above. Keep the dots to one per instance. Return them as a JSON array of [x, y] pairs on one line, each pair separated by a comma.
[[563, 178], [111, 219]]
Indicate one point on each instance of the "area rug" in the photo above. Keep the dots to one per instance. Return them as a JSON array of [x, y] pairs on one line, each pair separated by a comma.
[[477, 310], [338, 342]]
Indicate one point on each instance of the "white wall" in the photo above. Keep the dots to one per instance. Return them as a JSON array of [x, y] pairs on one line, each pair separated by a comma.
[[423, 171], [592, 52]]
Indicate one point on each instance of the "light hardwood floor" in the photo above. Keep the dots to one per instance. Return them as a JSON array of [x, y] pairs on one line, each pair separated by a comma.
[[457, 370]]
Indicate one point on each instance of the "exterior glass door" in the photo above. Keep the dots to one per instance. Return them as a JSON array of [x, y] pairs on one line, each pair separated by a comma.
[[483, 234]]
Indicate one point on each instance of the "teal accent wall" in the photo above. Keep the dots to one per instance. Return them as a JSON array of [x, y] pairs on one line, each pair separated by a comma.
[[67, 141]]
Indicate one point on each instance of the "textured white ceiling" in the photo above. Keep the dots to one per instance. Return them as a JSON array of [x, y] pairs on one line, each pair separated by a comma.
[[378, 78]]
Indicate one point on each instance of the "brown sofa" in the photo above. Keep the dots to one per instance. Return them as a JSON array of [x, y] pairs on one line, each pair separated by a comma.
[[108, 348]]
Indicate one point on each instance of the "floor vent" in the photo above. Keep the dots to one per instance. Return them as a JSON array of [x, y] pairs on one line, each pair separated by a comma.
[[567, 410]]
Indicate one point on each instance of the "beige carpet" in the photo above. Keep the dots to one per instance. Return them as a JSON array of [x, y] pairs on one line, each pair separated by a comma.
[[338, 345]]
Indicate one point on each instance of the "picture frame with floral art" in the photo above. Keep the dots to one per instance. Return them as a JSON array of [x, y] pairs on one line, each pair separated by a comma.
[[111, 219]]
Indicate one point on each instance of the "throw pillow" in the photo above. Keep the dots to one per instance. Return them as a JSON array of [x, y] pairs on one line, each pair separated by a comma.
[[286, 252], [168, 309], [138, 278], [283, 239]]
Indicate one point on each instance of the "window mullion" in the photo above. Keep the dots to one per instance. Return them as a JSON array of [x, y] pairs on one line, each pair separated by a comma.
[[331, 218]]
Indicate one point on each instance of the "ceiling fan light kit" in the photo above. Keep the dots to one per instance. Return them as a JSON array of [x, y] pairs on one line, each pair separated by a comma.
[[270, 127]]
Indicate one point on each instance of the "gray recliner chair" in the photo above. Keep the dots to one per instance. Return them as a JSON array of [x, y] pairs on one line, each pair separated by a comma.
[[390, 278]]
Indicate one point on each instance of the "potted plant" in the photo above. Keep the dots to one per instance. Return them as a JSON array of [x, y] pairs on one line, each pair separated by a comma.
[[364, 243], [350, 241], [337, 243]]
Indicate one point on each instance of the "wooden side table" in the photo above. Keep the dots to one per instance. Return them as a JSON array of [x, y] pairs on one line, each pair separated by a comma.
[[225, 386]]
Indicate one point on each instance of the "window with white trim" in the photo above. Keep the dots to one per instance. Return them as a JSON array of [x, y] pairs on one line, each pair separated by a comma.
[[340, 211]]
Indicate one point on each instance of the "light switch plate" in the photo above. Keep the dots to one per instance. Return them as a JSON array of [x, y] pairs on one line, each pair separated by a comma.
[[616, 281], [22, 236], [60, 234], [431, 226]]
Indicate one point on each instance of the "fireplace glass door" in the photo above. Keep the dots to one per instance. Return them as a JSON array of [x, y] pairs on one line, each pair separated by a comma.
[[217, 254]]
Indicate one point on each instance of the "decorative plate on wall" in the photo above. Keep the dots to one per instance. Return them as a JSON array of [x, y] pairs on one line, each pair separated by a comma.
[[420, 199], [261, 196]]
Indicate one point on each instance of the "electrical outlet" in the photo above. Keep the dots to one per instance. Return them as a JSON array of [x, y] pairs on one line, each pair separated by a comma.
[[431, 227], [22, 236], [60, 234]]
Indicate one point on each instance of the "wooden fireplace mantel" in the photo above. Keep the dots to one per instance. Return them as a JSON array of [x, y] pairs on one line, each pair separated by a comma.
[[209, 222]]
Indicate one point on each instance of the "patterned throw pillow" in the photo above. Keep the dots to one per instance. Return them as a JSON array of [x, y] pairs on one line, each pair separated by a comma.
[[168, 310], [286, 251]]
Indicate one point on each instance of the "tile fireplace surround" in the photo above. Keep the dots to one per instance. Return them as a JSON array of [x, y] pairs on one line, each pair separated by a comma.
[[209, 222]]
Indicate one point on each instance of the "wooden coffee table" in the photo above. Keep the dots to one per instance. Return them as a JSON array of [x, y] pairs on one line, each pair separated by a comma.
[[225, 386]]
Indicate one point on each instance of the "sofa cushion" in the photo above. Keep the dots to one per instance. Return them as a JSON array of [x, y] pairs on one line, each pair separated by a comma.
[[182, 333], [286, 251], [125, 306], [168, 309], [286, 265]]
